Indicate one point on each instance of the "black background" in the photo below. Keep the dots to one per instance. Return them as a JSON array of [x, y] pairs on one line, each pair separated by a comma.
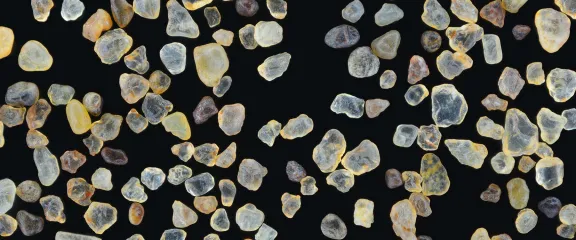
[[316, 75]]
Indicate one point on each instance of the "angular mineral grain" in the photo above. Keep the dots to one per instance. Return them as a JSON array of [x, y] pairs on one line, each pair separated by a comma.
[[494, 13], [99, 22], [341, 179], [520, 31], [155, 108], [93, 103], [111, 46], [100, 216], [535, 74], [374, 107], [249, 218], [464, 10], [451, 65], [247, 8], [412, 181], [108, 127], [449, 106], [177, 124], [467, 152], [37, 114], [251, 174], [122, 12], [492, 48], [134, 191], [416, 94], [152, 177], [274, 66], [6, 41], [364, 213], [137, 60], [278, 8], [550, 172], [328, 153], [493, 102], [149, 9], [180, 23], [47, 166], [429, 137], [22, 94], [182, 215], [268, 33], [308, 186], [403, 216], [53, 208], [435, 15], [561, 84], [550, 125], [362, 159], [223, 37], [102, 179], [347, 104], [206, 154], [520, 135], [417, 70], [491, 194], [136, 122], [297, 127], [80, 191], [405, 135], [199, 184], [462, 39], [246, 35], [290, 204], [178, 174], [29, 191]]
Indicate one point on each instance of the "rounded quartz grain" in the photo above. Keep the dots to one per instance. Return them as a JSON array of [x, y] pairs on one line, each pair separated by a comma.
[[179, 174], [435, 15], [173, 56], [431, 41], [122, 12], [333, 227], [205, 109], [362, 159], [278, 8], [53, 208], [550, 206], [353, 11], [268, 133], [251, 174], [486, 127], [134, 191], [295, 171], [520, 31], [386, 46], [421, 203], [246, 35], [451, 65], [388, 79], [8, 194], [177, 124], [526, 164], [347, 104], [566, 231], [417, 70], [135, 121], [266, 232], [184, 151], [435, 180], [570, 115], [102, 179], [227, 157], [561, 84], [449, 107], [136, 214], [34, 57], [403, 216], [308, 186], [535, 74], [467, 152], [100, 217], [8, 225], [297, 127], [159, 82], [219, 220], [11, 116], [492, 48], [206, 204], [231, 118], [222, 87], [412, 181], [249, 218], [342, 36], [93, 144], [416, 94], [182, 215], [37, 114], [550, 172], [502, 163], [29, 191], [494, 13], [22, 94], [480, 234], [362, 63], [553, 29], [374, 107], [492, 102], [227, 192], [36, 139], [550, 125], [149, 9], [174, 234], [223, 37], [393, 178], [93, 103], [429, 137], [518, 193], [388, 14], [567, 214], [510, 82], [268, 33], [152, 177], [137, 61], [206, 154], [526, 221], [247, 8], [71, 161], [491, 194], [155, 108], [180, 22], [29, 224], [211, 63], [212, 15], [114, 156], [328, 153], [274, 66], [111, 46], [520, 135], [78, 117], [47, 166], [464, 10], [290, 204], [6, 41], [341, 179], [364, 213], [200, 184], [544, 150], [80, 191], [108, 127], [99, 22]]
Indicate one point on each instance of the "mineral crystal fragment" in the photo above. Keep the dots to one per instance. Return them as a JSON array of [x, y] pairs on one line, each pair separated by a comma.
[[526, 164], [173, 56], [2, 139], [155, 108], [206, 204], [520, 135], [111, 46], [93, 144], [550, 206], [567, 214], [362, 63], [403, 216], [451, 65], [353, 11], [520, 31], [47, 166], [136, 122], [435, 180], [251, 174], [480, 234], [72, 161], [364, 213], [22, 94], [134, 191], [290, 204], [219, 220], [29, 191], [268, 34], [464, 10], [53, 208], [513, 6], [328, 153], [550, 172], [29, 224], [177, 124], [180, 23], [374, 107], [308, 186], [149, 9], [136, 213], [278, 8], [80, 191], [184, 151], [295, 171], [211, 236], [388, 79], [550, 125], [544, 150], [231, 118], [12, 116], [535, 74], [100, 216], [422, 204], [553, 29], [526, 220], [494, 13], [72, 9], [247, 8], [566, 231], [561, 84], [493, 102], [178, 174], [449, 106], [347, 104], [195, 4], [227, 157], [200, 184], [487, 128], [362, 159], [405, 135], [34, 57], [491, 194], [417, 69], [518, 193], [122, 12], [8, 225], [435, 15], [567, 7], [570, 115], [41, 9], [222, 87], [212, 16], [108, 127], [6, 41], [333, 227], [462, 39], [93, 103], [137, 60], [37, 114], [206, 154], [8, 194], [429, 137], [431, 41], [182, 215], [341, 179], [501, 237], [266, 233], [249, 218], [467, 152], [268, 133], [393, 178], [60, 94], [510, 82], [152, 177], [388, 14], [246, 35], [275, 66], [227, 192], [99, 22], [412, 181], [211, 63], [114, 156], [502, 163], [492, 48], [36, 139], [416, 94], [174, 234], [297, 127], [102, 179], [205, 109], [223, 37]]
